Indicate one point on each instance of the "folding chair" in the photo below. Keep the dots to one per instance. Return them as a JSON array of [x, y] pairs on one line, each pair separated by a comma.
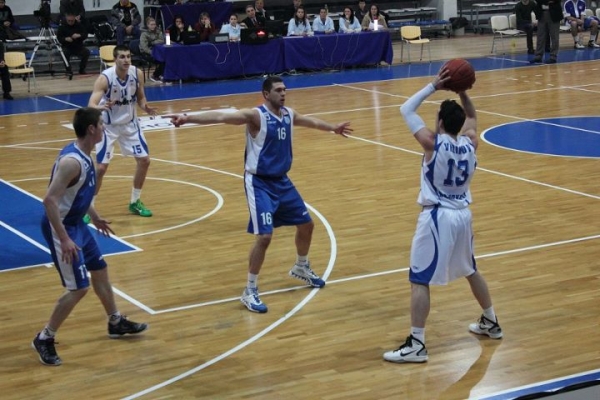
[[17, 65], [106, 56], [411, 34], [501, 29]]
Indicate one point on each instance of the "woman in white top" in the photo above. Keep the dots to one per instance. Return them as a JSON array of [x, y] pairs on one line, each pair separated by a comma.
[[349, 23], [368, 23], [299, 25], [232, 28]]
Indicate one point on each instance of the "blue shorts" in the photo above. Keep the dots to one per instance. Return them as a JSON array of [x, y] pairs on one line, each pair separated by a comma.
[[273, 202], [74, 276], [588, 22]]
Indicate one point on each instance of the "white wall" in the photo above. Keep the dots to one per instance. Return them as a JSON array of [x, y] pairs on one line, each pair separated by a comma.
[[27, 7], [446, 8]]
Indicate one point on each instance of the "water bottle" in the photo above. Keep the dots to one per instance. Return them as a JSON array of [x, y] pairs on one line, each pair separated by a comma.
[[167, 38]]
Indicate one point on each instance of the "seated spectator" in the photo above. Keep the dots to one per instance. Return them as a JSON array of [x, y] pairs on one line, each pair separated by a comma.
[[177, 29], [126, 19], [232, 28], [71, 36], [348, 22], [5, 76], [575, 17], [8, 29], [259, 6], [523, 10], [361, 11], [368, 23], [205, 27], [299, 25], [252, 20], [151, 37], [323, 24], [73, 7]]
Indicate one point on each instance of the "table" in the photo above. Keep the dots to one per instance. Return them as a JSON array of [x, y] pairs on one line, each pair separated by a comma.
[[324, 51], [219, 60], [233, 59]]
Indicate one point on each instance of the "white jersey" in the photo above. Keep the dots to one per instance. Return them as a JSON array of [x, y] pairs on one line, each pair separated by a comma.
[[124, 95], [446, 178]]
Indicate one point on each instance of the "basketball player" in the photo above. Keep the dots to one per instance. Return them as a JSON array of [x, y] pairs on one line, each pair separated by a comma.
[[442, 247], [116, 92], [273, 200], [74, 249]]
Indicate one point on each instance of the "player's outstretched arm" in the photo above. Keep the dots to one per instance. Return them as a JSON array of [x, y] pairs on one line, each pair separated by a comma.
[[316, 123], [244, 116]]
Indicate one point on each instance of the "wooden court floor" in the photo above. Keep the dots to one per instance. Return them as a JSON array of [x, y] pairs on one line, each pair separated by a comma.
[[537, 239]]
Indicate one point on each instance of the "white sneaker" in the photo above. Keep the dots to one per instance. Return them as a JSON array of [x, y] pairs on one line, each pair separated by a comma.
[[487, 327], [412, 351], [304, 273], [251, 300], [593, 45], [579, 46]]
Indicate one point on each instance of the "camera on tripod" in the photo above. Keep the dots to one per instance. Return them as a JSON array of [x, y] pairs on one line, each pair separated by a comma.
[[44, 13]]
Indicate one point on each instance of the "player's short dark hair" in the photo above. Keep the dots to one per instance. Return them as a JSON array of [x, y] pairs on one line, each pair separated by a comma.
[[452, 115], [268, 83], [84, 117], [120, 47]]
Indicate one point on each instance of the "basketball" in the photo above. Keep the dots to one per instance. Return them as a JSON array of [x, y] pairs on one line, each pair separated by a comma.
[[462, 75]]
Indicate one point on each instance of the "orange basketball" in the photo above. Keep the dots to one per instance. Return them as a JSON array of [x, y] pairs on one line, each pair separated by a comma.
[[462, 75]]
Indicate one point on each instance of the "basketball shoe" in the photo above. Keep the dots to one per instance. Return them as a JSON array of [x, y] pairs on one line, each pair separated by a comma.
[[140, 209], [487, 327], [412, 351], [252, 302], [304, 273], [125, 327], [46, 351]]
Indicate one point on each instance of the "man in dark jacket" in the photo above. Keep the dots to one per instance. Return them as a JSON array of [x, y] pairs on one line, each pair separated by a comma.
[[4, 75], [549, 14], [252, 20], [126, 19], [71, 36]]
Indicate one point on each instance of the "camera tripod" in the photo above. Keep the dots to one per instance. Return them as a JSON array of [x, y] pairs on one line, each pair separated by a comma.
[[48, 36]]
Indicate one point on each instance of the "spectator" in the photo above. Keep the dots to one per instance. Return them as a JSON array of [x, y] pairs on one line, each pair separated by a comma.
[[323, 23], [5, 76], [361, 11], [232, 28], [151, 37], [71, 36], [348, 22], [252, 20], [259, 6], [73, 7], [523, 10], [574, 11], [177, 29], [126, 19], [9, 30], [299, 25], [368, 23], [205, 27]]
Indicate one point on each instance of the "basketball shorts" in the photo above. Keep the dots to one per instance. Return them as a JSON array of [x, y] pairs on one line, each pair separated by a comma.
[[273, 202], [442, 247], [588, 22], [74, 276], [130, 138]]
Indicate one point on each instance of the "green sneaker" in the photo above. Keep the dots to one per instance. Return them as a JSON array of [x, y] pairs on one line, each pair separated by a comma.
[[140, 209], [87, 219]]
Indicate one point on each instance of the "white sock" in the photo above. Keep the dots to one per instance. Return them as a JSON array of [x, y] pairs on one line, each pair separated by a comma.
[[135, 194], [593, 38], [418, 333], [114, 318], [252, 281], [302, 260], [490, 314], [47, 333]]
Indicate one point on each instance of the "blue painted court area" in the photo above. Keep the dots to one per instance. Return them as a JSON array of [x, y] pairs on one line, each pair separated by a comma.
[[21, 241], [567, 136]]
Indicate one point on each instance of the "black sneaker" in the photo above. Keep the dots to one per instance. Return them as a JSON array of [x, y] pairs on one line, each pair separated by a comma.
[[7, 96], [536, 60], [125, 327], [46, 351]]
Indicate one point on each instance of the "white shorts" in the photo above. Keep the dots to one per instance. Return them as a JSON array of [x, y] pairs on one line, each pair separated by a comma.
[[442, 248], [131, 141]]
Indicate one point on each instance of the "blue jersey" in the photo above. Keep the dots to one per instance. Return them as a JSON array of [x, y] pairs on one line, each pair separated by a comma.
[[78, 197], [269, 154]]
